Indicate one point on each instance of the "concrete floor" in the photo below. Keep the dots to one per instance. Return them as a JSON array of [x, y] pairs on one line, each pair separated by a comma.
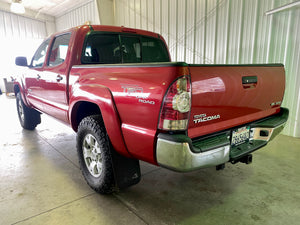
[[41, 184]]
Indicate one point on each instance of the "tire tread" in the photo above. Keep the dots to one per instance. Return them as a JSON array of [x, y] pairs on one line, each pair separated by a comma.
[[105, 184]]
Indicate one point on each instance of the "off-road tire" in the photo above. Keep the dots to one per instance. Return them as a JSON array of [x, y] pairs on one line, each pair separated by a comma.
[[94, 153], [29, 118]]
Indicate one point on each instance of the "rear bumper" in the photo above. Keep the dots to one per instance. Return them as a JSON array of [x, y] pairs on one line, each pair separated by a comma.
[[180, 153]]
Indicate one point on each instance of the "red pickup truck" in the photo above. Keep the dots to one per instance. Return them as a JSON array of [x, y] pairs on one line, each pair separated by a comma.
[[118, 89]]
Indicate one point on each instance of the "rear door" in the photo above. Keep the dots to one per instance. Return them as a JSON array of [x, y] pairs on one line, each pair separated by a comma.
[[227, 96]]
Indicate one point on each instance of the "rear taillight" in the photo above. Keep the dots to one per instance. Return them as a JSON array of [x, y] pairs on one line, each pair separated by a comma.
[[176, 105]]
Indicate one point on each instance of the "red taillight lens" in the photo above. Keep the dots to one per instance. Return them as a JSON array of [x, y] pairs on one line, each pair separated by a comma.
[[176, 107]]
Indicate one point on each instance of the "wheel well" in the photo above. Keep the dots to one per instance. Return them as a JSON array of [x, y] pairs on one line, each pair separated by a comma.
[[82, 110]]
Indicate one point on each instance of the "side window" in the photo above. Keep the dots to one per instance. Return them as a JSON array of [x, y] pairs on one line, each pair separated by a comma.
[[102, 48], [131, 49], [59, 50], [40, 54]]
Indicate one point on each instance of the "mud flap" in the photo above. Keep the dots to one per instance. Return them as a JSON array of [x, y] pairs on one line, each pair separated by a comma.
[[126, 170]]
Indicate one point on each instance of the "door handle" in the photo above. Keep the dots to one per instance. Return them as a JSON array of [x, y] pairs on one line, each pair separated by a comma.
[[59, 78], [38, 77], [249, 82]]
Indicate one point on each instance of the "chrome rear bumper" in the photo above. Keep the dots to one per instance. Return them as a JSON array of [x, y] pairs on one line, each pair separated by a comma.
[[179, 157], [177, 152]]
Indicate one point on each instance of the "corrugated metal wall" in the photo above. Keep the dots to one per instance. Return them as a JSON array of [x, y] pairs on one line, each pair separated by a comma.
[[16, 26], [225, 31], [78, 16]]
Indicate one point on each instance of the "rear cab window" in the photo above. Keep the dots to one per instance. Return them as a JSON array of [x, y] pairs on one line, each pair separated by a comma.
[[112, 48]]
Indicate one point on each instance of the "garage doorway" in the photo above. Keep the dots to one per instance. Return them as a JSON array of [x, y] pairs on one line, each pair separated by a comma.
[[10, 48]]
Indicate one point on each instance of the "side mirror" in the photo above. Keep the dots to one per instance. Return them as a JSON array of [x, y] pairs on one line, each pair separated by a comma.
[[21, 61]]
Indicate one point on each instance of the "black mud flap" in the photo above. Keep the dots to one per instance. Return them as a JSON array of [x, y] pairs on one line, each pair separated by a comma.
[[126, 171]]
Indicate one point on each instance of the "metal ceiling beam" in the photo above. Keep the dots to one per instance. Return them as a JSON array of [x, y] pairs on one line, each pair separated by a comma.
[[287, 6]]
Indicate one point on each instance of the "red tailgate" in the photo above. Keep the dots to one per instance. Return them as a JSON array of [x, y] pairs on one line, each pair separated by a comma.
[[228, 96]]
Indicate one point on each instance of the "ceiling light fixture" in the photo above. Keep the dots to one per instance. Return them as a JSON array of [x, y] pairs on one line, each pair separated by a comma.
[[17, 7]]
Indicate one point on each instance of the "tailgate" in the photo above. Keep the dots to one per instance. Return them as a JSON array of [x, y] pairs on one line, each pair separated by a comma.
[[226, 96]]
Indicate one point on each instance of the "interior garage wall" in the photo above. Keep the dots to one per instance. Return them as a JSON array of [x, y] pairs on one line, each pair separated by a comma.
[[225, 31], [16, 26], [78, 16]]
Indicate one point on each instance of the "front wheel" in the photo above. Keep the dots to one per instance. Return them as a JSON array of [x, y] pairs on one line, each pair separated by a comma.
[[94, 154], [29, 118]]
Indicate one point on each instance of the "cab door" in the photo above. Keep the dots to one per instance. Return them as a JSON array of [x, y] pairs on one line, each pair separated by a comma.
[[54, 85], [33, 78]]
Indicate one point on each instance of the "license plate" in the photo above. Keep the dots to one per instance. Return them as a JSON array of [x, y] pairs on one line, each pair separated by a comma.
[[240, 136]]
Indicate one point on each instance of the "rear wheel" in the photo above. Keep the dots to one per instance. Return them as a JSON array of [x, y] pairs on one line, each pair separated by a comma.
[[29, 118], [94, 154]]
